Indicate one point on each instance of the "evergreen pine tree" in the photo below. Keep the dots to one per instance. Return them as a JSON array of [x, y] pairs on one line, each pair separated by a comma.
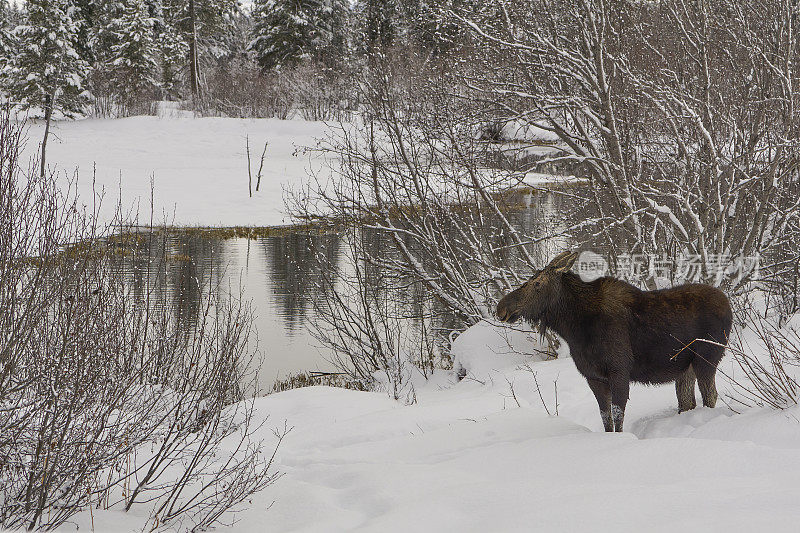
[[432, 26], [7, 46], [336, 22], [47, 71], [428, 24], [288, 31], [90, 16], [202, 25], [99, 36], [132, 63], [173, 51], [379, 23]]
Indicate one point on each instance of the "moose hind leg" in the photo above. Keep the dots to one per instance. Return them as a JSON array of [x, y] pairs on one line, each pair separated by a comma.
[[620, 387], [602, 392], [684, 388], [707, 384]]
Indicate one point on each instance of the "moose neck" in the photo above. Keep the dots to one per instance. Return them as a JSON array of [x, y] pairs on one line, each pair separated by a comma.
[[568, 313]]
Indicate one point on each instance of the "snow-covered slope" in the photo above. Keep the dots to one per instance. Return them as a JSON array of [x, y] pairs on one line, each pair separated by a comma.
[[470, 459], [472, 456], [198, 165]]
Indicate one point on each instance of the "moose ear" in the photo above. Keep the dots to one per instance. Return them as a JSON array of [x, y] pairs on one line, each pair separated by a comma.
[[563, 261]]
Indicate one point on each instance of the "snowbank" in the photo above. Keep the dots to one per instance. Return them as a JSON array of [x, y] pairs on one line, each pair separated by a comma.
[[538, 179], [474, 457], [198, 166], [487, 348], [515, 130]]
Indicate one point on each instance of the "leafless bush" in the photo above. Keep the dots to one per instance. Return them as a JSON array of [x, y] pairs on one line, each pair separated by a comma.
[[684, 115], [673, 164], [359, 317], [780, 275], [108, 102], [448, 223], [310, 90], [104, 401], [240, 89], [768, 354], [437, 223], [319, 92]]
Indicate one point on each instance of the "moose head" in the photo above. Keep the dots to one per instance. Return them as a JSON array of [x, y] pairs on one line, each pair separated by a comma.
[[531, 299]]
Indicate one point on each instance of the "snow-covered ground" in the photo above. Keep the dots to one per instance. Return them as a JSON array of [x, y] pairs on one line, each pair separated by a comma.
[[198, 165], [472, 456]]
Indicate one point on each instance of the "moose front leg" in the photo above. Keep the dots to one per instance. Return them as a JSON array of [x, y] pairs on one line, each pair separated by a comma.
[[602, 392], [620, 386]]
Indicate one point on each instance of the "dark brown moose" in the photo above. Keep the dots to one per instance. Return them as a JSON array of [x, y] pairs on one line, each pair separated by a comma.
[[617, 333]]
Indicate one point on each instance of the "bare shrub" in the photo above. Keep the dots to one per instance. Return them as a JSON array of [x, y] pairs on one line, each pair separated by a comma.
[[104, 400], [320, 92], [358, 317], [437, 224], [310, 90], [683, 115], [240, 89], [108, 102], [673, 165], [768, 354]]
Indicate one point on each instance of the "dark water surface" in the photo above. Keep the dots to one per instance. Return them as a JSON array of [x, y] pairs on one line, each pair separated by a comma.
[[276, 274]]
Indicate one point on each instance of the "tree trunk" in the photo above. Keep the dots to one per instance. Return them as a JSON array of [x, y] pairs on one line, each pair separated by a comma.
[[193, 63], [48, 114]]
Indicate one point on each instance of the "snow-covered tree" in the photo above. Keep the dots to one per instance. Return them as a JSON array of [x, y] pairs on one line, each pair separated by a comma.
[[132, 62], [428, 24], [173, 51], [288, 31], [201, 24], [47, 72], [6, 40], [378, 22], [432, 25], [91, 15]]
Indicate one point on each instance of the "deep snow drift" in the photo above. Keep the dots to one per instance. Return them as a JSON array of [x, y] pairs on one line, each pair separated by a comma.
[[470, 456]]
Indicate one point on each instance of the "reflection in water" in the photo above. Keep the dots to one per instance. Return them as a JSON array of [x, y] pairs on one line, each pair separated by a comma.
[[278, 276], [293, 263], [275, 274]]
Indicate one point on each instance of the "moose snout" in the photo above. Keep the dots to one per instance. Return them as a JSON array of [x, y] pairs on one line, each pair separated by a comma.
[[505, 315]]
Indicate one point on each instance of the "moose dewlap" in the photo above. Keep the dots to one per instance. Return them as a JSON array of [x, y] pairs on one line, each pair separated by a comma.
[[617, 333]]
